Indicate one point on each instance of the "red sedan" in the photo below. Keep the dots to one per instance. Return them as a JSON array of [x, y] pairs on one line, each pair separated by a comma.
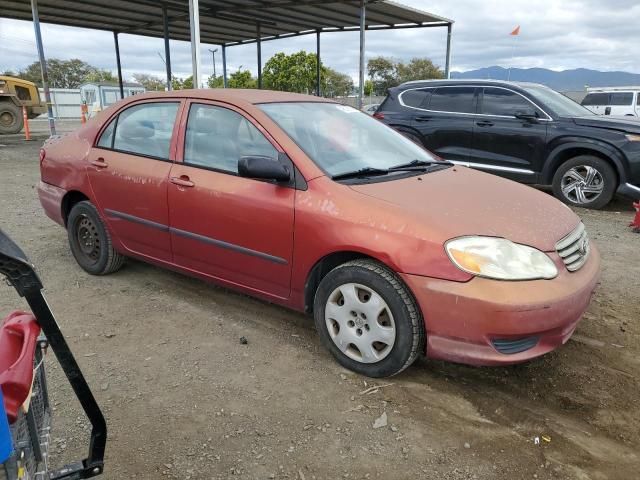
[[316, 206]]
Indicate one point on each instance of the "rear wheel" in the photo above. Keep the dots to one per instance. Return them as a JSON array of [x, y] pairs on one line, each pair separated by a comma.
[[11, 120], [368, 319], [585, 181], [90, 241]]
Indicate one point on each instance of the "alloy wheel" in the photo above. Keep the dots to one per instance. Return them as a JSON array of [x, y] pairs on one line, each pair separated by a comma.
[[582, 184], [360, 323]]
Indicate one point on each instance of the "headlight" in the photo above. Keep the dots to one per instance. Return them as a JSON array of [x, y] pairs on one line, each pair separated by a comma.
[[499, 258], [633, 138]]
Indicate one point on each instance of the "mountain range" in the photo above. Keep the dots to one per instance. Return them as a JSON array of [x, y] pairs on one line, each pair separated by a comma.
[[565, 80]]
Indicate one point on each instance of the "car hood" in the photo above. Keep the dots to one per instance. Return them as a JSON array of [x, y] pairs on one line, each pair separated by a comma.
[[459, 201], [623, 124]]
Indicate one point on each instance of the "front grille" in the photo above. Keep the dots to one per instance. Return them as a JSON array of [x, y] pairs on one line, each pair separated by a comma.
[[574, 248], [510, 346]]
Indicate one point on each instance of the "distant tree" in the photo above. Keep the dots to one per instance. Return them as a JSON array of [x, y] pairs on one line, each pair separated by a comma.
[[98, 75], [9, 73], [335, 84], [368, 87], [215, 82], [291, 73], [182, 83], [66, 73], [149, 82], [383, 74], [418, 69], [242, 79]]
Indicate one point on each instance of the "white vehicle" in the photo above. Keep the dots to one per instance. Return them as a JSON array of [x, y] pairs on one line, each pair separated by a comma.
[[623, 101]]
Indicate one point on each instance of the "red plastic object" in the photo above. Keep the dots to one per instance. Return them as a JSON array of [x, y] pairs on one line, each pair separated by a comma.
[[18, 336], [636, 221]]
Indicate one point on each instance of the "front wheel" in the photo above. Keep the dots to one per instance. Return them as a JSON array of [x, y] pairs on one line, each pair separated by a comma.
[[368, 319], [585, 181], [90, 241]]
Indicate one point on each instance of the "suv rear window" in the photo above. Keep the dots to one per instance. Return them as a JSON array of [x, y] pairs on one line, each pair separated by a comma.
[[453, 99]]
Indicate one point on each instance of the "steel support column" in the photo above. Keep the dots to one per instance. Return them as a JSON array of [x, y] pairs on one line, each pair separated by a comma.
[[167, 52], [224, 66], [447, 68], [194, 25], [259, 44], [43, 67], [318, 64], [118, 65], [362, 28]]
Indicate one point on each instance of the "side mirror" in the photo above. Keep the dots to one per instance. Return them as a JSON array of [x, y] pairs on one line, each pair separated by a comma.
[[264, 168], [529, 116]]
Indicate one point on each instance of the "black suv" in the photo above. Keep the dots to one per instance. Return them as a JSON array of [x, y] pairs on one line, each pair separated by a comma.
[[523, 131]]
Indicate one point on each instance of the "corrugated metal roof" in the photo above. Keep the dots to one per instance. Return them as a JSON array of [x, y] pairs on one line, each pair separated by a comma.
[[223, 21]]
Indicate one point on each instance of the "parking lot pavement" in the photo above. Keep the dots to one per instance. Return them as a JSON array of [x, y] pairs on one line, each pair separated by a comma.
[[185, 399]]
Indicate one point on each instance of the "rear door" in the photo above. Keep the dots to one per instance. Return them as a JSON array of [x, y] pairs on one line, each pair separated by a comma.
[[597, 102], [444, 117], [129, 171], [621, 103], [504, 144], [234, 229]]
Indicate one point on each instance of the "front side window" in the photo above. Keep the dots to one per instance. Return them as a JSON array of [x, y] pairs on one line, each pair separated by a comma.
[[453, 99], [505, 103], [106, 139], [23, 93], [341, 139], [621, 99], [145, 129], [217, 138]]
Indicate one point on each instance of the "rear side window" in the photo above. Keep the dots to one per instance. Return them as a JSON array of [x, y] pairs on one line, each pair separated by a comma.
[[216, 138], [453, 99], [621, 98], [144, 129], [596, 99], [416, 98], [497, 101]]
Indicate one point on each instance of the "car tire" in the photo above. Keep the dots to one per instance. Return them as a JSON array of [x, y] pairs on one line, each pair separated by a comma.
[[585, 181], [390, 340], [90, 241], [11, 120]]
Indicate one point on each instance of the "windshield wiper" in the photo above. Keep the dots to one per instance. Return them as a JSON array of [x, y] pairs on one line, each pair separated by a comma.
[[363, 172], [418, 165]]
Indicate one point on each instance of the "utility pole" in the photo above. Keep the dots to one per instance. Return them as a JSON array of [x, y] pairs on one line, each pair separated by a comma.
[[213, 54]]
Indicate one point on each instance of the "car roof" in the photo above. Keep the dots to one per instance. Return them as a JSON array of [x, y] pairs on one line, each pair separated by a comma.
[[463, 81], [236, 96]]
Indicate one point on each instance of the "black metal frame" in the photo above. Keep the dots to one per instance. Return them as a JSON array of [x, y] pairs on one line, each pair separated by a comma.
[[20, 273]]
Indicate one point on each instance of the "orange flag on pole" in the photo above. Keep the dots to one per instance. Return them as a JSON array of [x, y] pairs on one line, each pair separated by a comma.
[[516, 31]]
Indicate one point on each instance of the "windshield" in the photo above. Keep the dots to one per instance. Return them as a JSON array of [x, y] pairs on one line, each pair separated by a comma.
[[563, 106], [341, 139]]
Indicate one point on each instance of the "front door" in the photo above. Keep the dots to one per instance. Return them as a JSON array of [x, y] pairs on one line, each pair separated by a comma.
[[128, 171], [445, 121], [506, 145], [231, 228]]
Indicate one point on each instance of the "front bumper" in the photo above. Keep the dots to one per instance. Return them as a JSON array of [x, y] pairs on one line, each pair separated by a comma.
[[463, 320]]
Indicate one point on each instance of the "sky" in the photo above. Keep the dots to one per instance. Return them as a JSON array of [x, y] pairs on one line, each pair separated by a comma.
[[554, 34]]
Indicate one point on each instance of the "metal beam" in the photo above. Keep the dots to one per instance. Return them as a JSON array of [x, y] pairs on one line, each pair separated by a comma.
[[259, 44], [194, 23], [362, 50], [318, 65], [447, 68], [115, 40], [43, 66], [224, 66], [167, 50]]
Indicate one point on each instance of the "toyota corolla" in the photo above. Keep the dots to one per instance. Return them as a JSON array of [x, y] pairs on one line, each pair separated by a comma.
[[318, 207]]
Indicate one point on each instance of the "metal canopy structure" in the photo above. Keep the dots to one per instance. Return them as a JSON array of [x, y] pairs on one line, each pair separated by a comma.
[[227, 22]]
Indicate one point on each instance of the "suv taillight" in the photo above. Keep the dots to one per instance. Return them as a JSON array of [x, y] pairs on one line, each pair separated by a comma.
[[378, 115]]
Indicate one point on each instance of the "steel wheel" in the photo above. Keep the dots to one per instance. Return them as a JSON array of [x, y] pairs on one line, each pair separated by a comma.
[[360, 323], [582, 184], [88, 238]]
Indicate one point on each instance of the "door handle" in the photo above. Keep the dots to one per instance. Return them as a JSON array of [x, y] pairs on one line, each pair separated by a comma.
[[484, 123], [422, 118], [100, 163], [182, 181]]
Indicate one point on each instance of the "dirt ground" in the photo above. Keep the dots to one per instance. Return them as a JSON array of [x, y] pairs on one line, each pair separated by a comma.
[[184, 399]]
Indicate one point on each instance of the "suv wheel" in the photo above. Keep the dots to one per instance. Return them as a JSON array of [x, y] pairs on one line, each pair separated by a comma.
[[90, 241], [10, 118], [585, 181], [368, 319]]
